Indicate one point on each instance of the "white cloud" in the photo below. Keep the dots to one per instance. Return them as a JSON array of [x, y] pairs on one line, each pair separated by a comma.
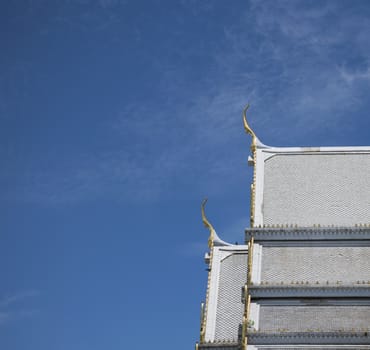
[[9, 300], [281, 56], [16, 306], [354, 76]]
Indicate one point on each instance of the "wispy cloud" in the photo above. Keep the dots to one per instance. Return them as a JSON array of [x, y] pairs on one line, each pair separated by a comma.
[[18, 297], [296, 62], [293, 54], [17, 306], [354, 76]]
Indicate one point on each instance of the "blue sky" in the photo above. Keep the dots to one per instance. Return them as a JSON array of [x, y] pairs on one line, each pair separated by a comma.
[[118, 118]]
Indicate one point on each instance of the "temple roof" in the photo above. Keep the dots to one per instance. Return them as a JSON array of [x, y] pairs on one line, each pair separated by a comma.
[[307, 186], [301, 281]]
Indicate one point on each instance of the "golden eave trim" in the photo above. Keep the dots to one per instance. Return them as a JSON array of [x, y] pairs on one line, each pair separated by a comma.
[[247, 301], [250, 260], [247, 296], [249, 130]]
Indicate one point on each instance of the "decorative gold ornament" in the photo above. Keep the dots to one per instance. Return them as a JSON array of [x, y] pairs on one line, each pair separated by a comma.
[[210, 245], [248, 129], [212, 232]]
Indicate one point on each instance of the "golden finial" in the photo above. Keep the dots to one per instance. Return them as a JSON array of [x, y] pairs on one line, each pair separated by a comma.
[[248, 129], [208, 224]]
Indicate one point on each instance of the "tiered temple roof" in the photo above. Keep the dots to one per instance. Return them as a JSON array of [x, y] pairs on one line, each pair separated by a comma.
[[302, 279]]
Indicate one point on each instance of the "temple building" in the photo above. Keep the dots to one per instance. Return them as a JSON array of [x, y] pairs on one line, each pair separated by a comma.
[[302, 278]]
